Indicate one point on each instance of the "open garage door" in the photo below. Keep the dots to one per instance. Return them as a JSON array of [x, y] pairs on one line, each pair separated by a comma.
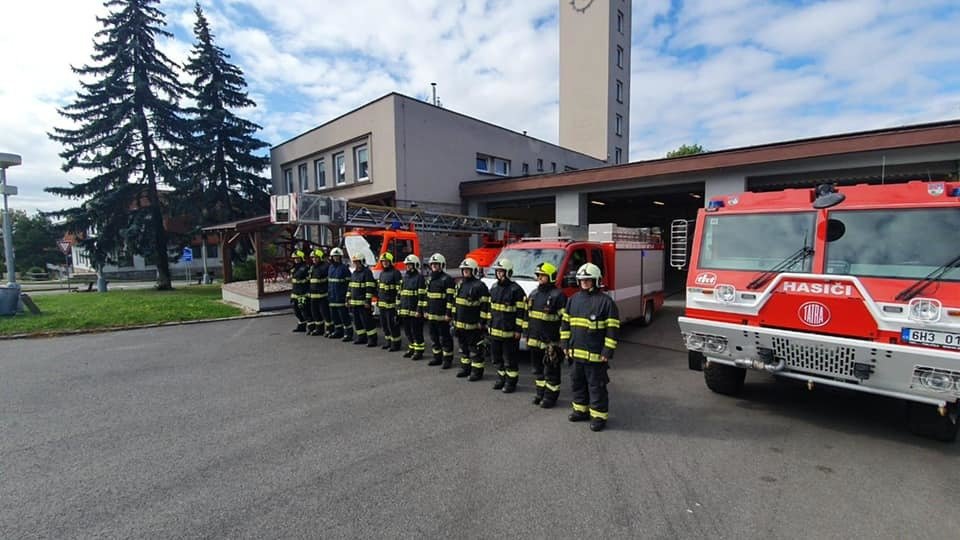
[[532, 212], [654, 207]]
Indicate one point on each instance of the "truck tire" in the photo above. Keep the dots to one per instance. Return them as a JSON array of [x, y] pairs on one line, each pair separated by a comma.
[[695, 360], [925, 420], [647, 314], [724, 379]]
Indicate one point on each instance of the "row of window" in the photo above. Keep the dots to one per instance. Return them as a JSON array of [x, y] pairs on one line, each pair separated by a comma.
[[361, 171], [501, 167]]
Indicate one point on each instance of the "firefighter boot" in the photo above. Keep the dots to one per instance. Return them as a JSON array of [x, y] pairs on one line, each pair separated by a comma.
[[538, 397], [418, 355], [409, 352], [386, 344], [475, 374], [395, 347], [347, 336], [578, 416], [301, 327], [501, 380], [464, 370], [511, 385], [372, 340], [597, 424], [437, 358]]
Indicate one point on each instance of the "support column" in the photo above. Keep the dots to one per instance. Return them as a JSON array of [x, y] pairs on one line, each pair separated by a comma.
[[477, 209], [226, 255], [258, 251], [571, 208], [723, 185]]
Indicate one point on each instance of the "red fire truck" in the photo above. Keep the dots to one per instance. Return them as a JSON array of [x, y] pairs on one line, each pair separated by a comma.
[[855, 288], [631, 261]]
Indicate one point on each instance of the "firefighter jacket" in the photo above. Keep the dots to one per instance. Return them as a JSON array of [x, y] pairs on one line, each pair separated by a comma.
[[589, 326], [388, 288], [337, 279], [544, 309], [318, 280], [507, 309], [471, 305], [362, 287], [413, 294], [300, 279], [440, 291]]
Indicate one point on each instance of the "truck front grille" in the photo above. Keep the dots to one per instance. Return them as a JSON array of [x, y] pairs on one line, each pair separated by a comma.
[[829, 360]]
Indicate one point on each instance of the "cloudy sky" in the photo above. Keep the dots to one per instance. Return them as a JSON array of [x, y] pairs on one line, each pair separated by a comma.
[[722, 73]]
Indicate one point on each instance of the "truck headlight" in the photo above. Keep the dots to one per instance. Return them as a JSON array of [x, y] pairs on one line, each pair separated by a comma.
[[935, 379], [924, 309], [725, 293], [715, 344], [695, 342]]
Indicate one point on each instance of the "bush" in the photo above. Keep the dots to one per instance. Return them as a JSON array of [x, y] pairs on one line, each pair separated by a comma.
[[247, 270], [35, 273]]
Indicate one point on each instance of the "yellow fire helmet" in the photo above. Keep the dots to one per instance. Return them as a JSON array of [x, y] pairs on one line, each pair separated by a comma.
[[548, 270]]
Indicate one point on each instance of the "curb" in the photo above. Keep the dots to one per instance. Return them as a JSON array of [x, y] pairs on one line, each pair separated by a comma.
[[60, 333]]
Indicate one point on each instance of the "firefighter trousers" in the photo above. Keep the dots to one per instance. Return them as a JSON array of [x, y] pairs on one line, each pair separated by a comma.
[[413, 328], [588, 382], [504, 353], [301, 310], [546, 377], [470, 358], [442, 341], [320, 314], [342, 327], [390, 325], [364, 326]]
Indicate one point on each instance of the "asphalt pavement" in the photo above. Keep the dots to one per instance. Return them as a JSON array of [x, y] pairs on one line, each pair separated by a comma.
[[241, 429]]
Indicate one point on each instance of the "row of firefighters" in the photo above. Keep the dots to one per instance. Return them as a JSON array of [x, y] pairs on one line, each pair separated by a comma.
[[331, 301]]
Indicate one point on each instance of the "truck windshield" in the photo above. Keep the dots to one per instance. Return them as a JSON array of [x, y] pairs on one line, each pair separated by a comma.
[[359, 244], [757, 242], [525, 260], [902, 243]]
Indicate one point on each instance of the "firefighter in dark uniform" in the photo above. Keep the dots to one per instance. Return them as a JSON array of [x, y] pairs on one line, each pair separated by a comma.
[[471, 313], [507, 316], [588, 334], [337, 280], [413, 302], [388, 300], [439, 311], [300, 290], [320, 324], [544, 309], [360, 300]]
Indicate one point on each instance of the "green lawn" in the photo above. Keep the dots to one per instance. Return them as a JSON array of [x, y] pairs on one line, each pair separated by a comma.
[[84, 311]]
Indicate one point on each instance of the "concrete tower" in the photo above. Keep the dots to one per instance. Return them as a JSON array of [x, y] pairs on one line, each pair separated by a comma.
[[595, 78]]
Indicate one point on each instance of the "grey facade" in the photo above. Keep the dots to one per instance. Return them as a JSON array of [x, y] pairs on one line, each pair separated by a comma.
[[595, 78], [400, 151]]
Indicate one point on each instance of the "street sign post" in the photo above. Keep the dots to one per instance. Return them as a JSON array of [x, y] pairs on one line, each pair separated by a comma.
[[187, 257]]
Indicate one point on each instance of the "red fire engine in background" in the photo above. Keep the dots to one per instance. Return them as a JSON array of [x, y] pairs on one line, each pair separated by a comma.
[[856, 288]]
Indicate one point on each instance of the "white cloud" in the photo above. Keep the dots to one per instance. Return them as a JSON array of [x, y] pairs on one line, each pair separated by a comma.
[[722, 73]]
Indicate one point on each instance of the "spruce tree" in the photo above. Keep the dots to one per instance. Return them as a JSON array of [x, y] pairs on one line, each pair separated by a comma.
[[220, 179], [127, 125]]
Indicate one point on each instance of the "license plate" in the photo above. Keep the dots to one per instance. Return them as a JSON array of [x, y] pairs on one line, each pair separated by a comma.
[[933, 338]]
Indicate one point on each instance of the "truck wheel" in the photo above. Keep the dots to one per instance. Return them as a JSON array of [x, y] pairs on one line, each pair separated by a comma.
[[724, 379], [695, 360], [925, 420], [647, 314]]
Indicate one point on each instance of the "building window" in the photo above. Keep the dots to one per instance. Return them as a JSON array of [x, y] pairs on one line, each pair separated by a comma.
[[288, 180], [619, 57], [321, 169], [302, 178], [501, 167], [619, 21], [361, 163], [340, 169], [483, 164], [539, 165], [489, 164], [525, 168], [619, 125], [619, 91], [617, 156], [553, 166]]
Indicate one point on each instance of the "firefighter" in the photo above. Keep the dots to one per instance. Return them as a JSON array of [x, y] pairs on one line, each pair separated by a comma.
[[588, 334], [507, 316], [413, 301], [299, 279], [471, 312], [439, 311], [319, 304], [360, 300], [337, 279], [388, 296], [544, 308]]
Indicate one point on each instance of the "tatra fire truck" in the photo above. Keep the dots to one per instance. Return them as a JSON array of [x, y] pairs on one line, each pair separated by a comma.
[[854, 287], [630, 259]]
